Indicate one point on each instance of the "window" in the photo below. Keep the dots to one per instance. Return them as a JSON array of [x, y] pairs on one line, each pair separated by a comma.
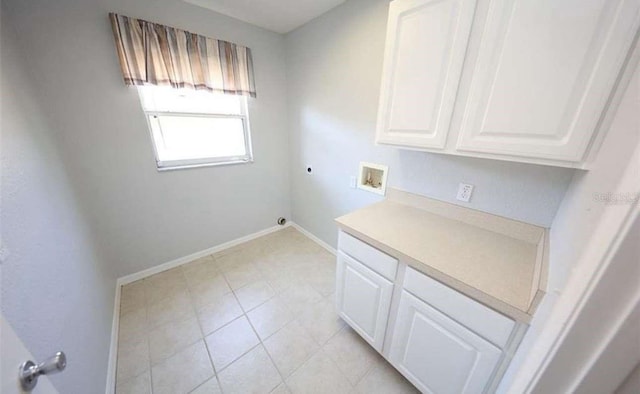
[[196, 128]]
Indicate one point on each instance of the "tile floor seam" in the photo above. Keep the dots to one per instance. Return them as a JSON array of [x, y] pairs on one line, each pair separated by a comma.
[[368, 369], [149, 362], [322, 349], [153, 364], [244, 315], [202, 337], [265, 348], [205, 382], [301, 364], [256, 306], [147, 339], [200, 385], [240, 356], [226, 324]]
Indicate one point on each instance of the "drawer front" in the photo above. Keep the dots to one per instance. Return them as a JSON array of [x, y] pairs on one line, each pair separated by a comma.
[[484, 321], [378, 261]]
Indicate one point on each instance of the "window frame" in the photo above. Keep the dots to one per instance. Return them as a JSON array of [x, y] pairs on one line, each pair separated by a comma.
[[170, 165]]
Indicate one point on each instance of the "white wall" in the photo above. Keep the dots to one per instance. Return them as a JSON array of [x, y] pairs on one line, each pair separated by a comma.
[[580, 214], [579, 217], [143, 217], [334, 66], [57, 290], [603, 346]]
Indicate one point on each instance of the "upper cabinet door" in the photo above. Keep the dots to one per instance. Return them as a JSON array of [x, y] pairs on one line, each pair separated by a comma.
[[424, 55], [544, 73]]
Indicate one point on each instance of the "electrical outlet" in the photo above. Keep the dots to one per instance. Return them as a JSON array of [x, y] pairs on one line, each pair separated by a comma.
[[464, 192], [353, 182]]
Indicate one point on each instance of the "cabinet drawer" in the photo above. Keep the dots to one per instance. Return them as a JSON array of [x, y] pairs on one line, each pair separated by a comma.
[[378, 261], [484, 321]]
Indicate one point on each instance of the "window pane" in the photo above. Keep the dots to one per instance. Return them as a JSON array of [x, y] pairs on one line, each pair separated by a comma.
[[188, 138], [164, 99]]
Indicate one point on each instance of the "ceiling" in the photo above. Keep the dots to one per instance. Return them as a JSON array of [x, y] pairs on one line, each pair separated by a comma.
[[280, 16]]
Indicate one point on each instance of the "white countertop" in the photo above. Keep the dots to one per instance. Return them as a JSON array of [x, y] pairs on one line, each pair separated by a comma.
[[497, 261]]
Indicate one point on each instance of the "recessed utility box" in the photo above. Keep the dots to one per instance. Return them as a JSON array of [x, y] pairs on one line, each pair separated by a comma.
[[373, 178]]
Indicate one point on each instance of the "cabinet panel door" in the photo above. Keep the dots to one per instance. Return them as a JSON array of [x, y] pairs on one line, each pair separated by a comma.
[[544, 73], [425, 50], [437, 354], [364, 298]]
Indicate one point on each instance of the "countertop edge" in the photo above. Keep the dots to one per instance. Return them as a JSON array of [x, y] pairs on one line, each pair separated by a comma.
[[475, 294]]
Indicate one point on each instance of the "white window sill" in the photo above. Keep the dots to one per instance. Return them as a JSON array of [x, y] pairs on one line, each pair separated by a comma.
[[170, 167]]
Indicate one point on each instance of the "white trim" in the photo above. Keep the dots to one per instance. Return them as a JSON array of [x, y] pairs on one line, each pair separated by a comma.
[[200, 162], [113, 348], [315, 239], [577, 294], [609, 338], [185, 259]]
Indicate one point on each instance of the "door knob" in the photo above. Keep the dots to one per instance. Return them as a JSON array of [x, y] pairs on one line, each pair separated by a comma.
[[30, 371]]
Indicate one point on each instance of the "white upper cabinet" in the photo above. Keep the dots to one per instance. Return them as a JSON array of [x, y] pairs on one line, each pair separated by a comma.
[[520, 80], [426, 45], [544, 73]]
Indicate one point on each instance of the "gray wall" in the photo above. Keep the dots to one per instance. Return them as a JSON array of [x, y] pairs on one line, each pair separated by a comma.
[[57, 290], [334, 66], [580, 210], [631, 385], [574, 226], [143, 217], [580, 213]]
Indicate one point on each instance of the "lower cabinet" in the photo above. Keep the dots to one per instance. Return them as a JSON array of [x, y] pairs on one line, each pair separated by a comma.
[[440, 339], [437, 354], [363, 299]]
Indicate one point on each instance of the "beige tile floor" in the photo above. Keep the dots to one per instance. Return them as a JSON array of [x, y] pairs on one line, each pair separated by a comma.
[[256, 318]]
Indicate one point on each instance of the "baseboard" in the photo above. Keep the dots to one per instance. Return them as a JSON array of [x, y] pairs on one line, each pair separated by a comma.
[[183, 260], [317, 240], [113, 349]]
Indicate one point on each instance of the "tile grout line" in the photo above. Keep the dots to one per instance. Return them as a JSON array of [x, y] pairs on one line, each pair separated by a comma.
[[320, 345], [276, 293], [244, 315], [260, 342], [148, 330], [202, 335], [335, 364]]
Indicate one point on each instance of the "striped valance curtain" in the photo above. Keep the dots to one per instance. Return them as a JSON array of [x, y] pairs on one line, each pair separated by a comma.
[[154, 54]]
